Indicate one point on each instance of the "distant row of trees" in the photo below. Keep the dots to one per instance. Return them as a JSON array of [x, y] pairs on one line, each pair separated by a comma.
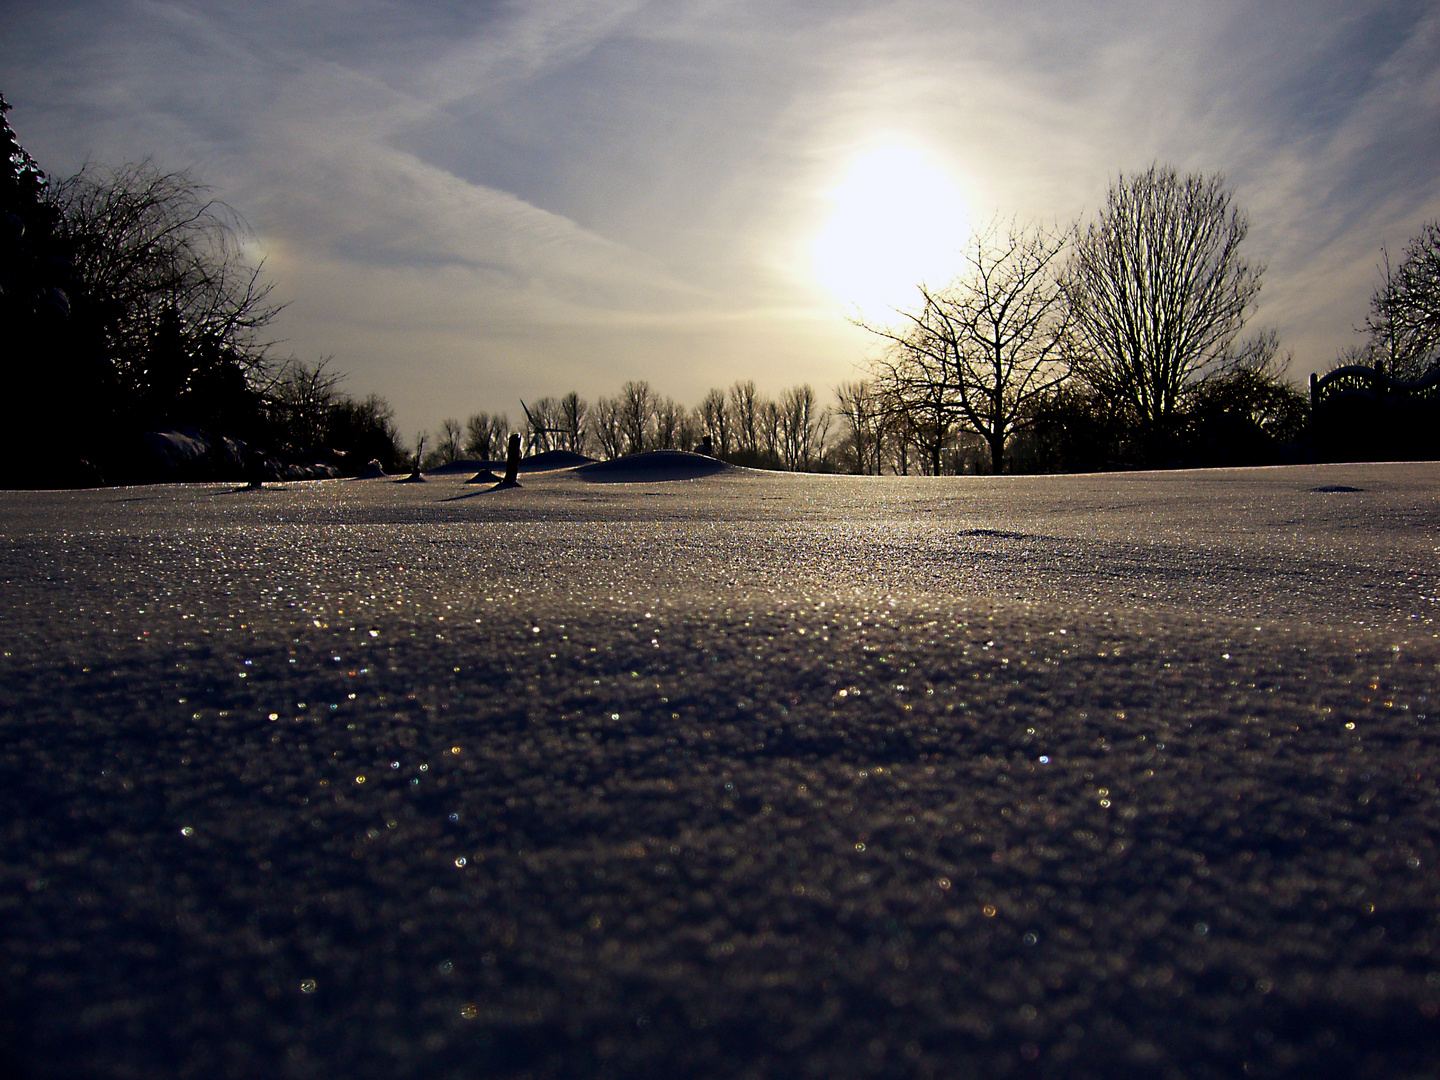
[[744, 425]]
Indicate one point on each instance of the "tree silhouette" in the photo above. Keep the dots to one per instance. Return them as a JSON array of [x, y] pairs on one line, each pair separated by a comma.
[[572, 416], [862, 414], [52, 362], [1159, 292], [365, 429], [986, 346], [166, 260], [300, 399], [715, 420], [800, 420], [1404, 320], [607, 424], [668, 415], [449, 445], [485, 434], [745, 417], [637, 404], [36, 274], [919, 381]]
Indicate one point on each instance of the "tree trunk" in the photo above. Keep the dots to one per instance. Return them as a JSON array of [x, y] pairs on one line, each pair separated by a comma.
[[997, 453]]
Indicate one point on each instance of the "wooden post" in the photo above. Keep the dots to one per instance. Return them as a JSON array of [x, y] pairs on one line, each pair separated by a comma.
[[512, 459], [1314, 390]]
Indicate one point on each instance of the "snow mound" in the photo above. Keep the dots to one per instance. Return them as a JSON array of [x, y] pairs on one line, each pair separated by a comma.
[[459, 465], [484, 476], [651, 466], [372, 471], [183, 454], [554, 459]]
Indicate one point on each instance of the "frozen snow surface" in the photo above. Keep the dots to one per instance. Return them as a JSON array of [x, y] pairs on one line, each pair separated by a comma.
[[745, 775]]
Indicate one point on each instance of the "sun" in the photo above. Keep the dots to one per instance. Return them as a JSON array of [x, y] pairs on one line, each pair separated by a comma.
[[898, 221]]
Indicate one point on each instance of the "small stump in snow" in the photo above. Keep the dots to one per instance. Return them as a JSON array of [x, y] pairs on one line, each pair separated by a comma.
[[512, 463]]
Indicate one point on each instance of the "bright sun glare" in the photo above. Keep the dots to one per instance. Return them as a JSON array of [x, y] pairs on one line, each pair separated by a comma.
[[898, 221]]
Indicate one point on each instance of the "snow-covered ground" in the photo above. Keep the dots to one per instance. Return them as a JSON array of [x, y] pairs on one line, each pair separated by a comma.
[[753, 774]]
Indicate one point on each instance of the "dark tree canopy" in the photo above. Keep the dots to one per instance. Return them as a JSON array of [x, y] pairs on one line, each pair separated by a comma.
[[167, 262], [127, 304], [35, 275], [54, 368]]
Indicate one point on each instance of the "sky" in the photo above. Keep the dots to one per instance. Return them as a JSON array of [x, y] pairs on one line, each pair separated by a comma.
[[470, 203]]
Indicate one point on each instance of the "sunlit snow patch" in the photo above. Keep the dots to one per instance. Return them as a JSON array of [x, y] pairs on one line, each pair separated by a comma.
[[372, 471]]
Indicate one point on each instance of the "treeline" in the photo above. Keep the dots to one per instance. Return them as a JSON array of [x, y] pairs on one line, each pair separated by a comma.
[[127, 307], [1119, 342], [744, 426], [864, 431]]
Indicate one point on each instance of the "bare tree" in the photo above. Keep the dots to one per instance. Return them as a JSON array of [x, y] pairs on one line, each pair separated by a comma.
[[1404, 319], [500, 435], [479, 439], [299, 401], [547, 431], [637, 404], [485, 435], [606, 423], [690, 430], [768, 425], [573, 410], [745, 416], [799, 414], [820, 444], [669, 424], [862, 416], [448, 446], [919, 379], [901, 439], [1001, 325], [1159, 292], [715, 420], [542, 429]]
